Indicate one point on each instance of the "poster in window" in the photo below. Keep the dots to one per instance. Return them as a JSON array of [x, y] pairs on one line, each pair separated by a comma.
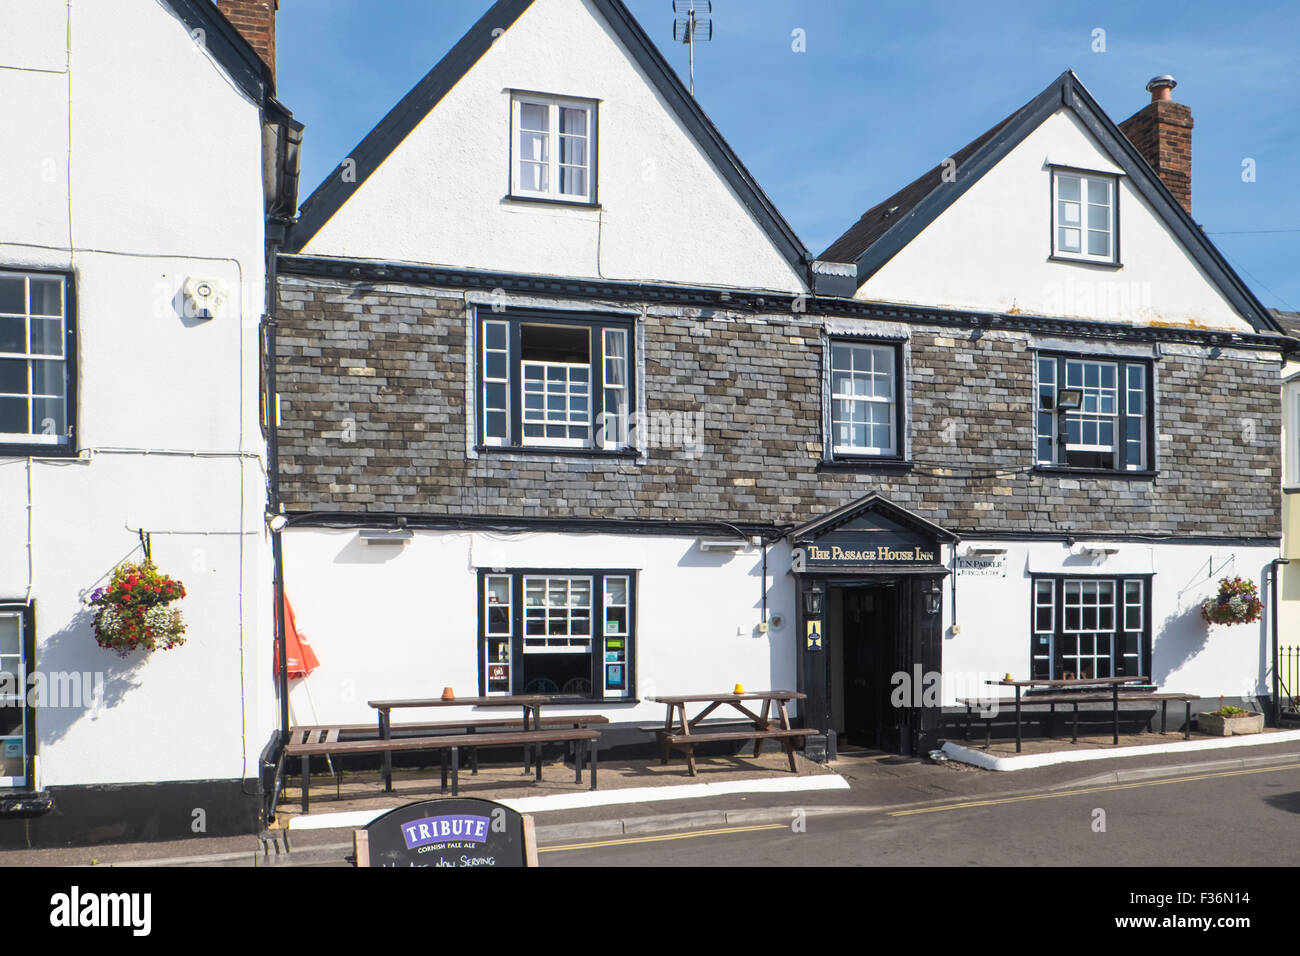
[[614, 675]]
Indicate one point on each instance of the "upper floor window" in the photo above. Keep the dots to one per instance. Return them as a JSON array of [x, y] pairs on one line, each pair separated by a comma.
[[555, 382], [1094, 413], [34, 357], [554, 145], [865, 413], [1083, 210]]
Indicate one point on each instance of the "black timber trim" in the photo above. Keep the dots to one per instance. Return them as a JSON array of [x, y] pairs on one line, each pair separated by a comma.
[[228, 47], [373, 271], [401, 120], [1067, 91], [352, 520], [371, 152]]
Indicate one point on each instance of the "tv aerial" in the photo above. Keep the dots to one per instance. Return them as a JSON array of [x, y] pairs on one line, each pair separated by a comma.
[[693, 23]]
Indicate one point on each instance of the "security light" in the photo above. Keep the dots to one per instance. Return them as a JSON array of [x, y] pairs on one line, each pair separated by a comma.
[[1069, 399]]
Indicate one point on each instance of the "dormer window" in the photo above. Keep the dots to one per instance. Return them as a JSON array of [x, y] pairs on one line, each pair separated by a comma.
[[1084, 216], [554, 148]]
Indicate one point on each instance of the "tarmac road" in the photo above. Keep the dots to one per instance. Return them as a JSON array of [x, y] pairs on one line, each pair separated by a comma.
[[1217, 820]]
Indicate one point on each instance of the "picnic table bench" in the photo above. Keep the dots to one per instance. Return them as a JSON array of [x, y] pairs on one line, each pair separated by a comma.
[[313, 742], [683, 736], [1106, 690]]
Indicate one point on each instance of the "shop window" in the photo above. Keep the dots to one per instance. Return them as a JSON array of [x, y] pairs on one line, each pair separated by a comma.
[[36, 379], [1094, 413], [547, 382], [17, 718], [564, 633], [1084, 628]]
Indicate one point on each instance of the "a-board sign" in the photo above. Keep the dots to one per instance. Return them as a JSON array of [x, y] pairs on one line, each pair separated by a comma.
[[448, 833]]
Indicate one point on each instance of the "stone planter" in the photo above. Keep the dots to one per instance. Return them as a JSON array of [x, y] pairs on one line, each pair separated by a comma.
[[1228, 726]]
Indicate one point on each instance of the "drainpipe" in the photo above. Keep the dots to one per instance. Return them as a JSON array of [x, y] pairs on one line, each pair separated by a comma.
[[1277, 678]]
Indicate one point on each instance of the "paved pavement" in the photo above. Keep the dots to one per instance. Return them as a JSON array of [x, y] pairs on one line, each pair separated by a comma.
[[878, 783]]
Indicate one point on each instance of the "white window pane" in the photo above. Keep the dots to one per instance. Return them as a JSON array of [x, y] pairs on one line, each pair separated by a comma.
[[1068, 239], [534, 116], [1099, 191], [573, 121], [1098, 243], [1069, 213], [1099, 217], [1067, 187], [10, 634]]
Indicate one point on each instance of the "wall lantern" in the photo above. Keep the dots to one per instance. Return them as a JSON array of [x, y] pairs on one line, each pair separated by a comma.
[[933, 598], [812, 599]]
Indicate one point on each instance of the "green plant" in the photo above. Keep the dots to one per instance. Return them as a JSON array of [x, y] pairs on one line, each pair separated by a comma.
[[1229, 711], [133, 610], [1236, 603]]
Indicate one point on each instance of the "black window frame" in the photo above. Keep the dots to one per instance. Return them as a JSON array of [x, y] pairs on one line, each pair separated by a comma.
[[1056, 647], [596, 324], [67, 449], [899, 457], [27, 611], [1122, 362], [518, 667]]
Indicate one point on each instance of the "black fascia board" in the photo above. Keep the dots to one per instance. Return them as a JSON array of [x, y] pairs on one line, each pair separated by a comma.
[[740, 300], [402, 119], [1066, 91], [228, 47], [371, 152]]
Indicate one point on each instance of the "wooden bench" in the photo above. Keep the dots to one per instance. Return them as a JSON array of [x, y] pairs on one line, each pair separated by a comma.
[[688, 742], [335, 732], [1074, 700], [325, 742]]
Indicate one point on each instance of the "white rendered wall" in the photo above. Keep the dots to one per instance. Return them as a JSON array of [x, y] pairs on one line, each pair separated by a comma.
[[666, 214], [1188, 656], [989, 250], [402, 622], [139, 165]]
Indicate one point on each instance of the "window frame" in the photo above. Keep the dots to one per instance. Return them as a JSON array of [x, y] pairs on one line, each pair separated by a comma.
[[597, 327], [26, 613], [1084, 175], [24, 445], [1122, 364], [1055, 649], [598, 654], [834, 453], [554, 103]]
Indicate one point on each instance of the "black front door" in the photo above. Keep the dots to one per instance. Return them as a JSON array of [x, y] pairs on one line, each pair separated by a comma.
[[870, 659]]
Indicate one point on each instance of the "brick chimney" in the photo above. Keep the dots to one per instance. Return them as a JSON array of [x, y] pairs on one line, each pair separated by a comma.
[[1162, 133], [255, 19]]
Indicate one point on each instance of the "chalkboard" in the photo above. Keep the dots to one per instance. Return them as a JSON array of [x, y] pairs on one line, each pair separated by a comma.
[[448, 833]]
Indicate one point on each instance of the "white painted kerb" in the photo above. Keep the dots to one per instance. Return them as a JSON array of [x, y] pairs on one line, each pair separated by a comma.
[[605, 798], [1027, 761]]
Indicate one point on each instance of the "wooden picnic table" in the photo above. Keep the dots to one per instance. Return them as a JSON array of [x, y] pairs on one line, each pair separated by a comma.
[[683, 737], [1075, 685], [530, 703]]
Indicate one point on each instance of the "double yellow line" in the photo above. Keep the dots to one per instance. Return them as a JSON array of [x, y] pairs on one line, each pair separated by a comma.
[[690, 835]]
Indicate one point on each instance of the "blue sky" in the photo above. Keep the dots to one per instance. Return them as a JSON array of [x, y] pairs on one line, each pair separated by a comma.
[[884, 91]]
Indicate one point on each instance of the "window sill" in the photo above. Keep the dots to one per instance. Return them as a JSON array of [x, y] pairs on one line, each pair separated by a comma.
[[1100, 263], [37, 450], [553, 451], [866, 463], [1094, 472], [547, 201]]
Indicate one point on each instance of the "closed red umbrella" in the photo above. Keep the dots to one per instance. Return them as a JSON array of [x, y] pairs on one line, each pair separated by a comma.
[[301, 659]]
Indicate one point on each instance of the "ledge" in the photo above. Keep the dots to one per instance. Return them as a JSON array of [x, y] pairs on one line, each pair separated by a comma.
[[1096, 473], [25, 803], [543, 201], [866, 464], [538, 451]]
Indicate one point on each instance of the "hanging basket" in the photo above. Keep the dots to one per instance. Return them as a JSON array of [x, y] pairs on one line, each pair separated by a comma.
[[134, 612], [1236, 603]]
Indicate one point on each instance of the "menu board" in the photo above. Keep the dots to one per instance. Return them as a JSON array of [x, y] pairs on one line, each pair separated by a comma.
[[447, 833]]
